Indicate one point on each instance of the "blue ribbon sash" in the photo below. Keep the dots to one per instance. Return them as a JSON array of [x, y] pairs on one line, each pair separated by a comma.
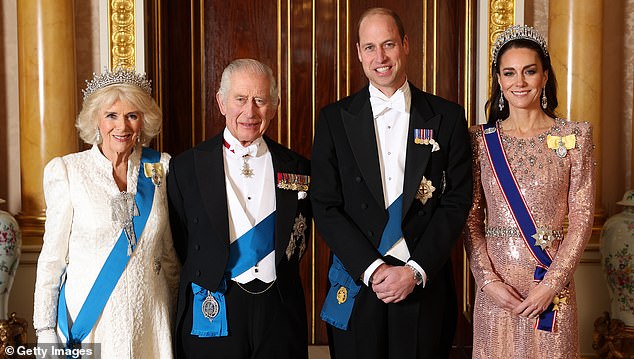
[[112, 269], [343, 290], [202, 326], [251, 247], [520, 211], [244, 253]]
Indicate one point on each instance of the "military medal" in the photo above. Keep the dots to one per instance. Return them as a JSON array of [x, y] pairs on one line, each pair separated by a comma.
[[293, 182], [246, 171], [422, 136], [342, 295], [425, 136], [210, 307]]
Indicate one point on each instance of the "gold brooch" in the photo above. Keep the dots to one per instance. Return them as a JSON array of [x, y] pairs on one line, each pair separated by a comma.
[[561, 299], [342, 295], [425, 190], [154, 171], [561, 145]]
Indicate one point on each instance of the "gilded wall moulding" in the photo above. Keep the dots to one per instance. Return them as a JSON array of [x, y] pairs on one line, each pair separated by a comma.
[[501, 16], [122, 33]]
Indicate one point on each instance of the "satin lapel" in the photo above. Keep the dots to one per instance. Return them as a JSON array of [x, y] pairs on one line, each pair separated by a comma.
[[210, 173], [359, 125], [285, 200], [421, 116]]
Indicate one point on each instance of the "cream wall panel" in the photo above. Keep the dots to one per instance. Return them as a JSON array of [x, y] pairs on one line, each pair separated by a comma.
[[9, 108]]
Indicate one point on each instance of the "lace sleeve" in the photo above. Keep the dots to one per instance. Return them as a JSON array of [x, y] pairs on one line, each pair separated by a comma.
[[51, 264]]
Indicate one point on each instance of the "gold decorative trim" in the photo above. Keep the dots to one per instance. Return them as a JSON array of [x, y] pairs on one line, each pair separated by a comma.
[[203, 74], [289, 82], [424, 45], [347, 48], [122, 38], [192, 63], [157, 63], [279, 66], [313, 260], [468, 70], [501, 16], [434, 73]]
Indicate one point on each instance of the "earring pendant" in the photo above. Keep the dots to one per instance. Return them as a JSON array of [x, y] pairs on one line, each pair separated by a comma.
[[501, 102], [544, 99]]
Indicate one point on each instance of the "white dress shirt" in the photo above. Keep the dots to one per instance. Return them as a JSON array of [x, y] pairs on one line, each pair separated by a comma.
[[391, 125], [250, 199]]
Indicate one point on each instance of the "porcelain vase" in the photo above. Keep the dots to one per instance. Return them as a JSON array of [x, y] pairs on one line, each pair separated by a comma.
[[10, 250], [617, 257]]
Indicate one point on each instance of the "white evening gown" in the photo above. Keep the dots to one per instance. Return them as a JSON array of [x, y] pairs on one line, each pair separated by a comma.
[[79, 234]]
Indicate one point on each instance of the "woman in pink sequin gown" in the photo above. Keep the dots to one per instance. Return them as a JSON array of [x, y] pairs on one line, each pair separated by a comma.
[[554, 185]]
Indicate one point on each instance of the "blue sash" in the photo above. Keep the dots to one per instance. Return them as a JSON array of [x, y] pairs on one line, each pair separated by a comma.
[[343, 288], [113, 267], [520, 211], [244, 253]]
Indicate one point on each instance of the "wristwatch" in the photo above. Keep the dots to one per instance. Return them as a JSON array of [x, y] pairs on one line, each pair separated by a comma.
[[418, 277]]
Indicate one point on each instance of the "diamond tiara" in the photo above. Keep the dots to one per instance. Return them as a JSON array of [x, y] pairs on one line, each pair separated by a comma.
[[517, 32], [119, 76]]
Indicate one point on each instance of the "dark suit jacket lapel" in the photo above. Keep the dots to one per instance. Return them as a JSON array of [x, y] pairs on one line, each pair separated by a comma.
[[285, 200], [358, 122], [421, 116], [210, 174]]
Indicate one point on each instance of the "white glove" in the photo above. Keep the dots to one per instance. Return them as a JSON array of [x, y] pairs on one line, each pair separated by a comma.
[[46, 340]]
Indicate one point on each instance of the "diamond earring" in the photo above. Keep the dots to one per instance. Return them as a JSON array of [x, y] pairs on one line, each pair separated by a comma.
[[501, 102], [98, 137], [544, 99]]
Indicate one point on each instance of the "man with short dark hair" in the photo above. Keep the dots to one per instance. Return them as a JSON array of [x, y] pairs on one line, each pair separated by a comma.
[[391, 191]]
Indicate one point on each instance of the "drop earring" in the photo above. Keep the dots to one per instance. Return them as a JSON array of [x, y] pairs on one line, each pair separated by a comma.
[[501, 102], [98, 137], [544, 99]]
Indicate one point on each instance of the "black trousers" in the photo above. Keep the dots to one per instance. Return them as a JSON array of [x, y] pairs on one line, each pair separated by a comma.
[[420, 327], [260, 326]]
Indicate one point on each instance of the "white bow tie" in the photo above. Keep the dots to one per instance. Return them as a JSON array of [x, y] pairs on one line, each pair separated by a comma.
[[380, 104], [251, 150]]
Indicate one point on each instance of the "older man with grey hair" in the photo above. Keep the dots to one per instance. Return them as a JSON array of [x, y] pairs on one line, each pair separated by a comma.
[[240, 218]]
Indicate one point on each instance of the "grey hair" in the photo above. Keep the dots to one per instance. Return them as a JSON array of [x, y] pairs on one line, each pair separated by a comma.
[[88, 119], [248, 65]]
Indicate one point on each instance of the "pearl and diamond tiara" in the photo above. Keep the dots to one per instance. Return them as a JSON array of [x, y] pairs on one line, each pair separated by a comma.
[[517, 32], [119, 76]]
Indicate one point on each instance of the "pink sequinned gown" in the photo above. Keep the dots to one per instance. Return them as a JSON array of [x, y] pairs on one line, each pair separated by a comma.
[[553, 187]]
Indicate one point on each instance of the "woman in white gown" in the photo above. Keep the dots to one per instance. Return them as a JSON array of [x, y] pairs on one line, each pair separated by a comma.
[[107, 213]]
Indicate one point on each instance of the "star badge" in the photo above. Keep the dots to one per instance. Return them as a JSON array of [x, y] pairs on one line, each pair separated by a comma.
[[425, 190], [560, 299], [543, 238]]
